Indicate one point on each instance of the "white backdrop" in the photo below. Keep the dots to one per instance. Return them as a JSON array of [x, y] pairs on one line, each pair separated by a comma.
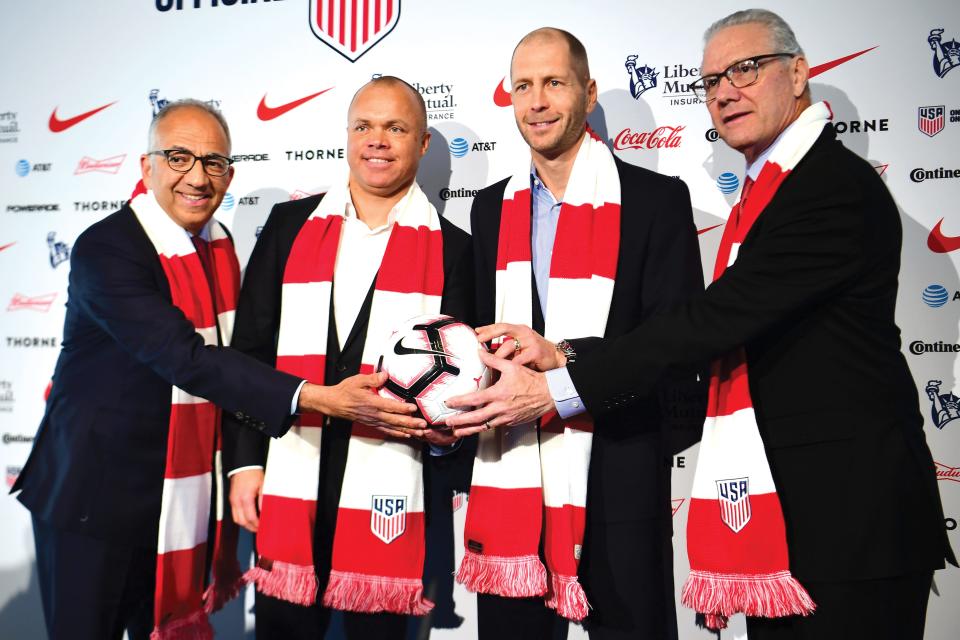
[[59, 172]]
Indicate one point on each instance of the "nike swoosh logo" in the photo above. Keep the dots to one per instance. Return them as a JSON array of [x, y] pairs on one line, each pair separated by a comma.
[[939, 243], [269, 113], [700, 232], [826, 66], [57, 125], [401, 350], [881, 168], [7, 246], [501, 97]]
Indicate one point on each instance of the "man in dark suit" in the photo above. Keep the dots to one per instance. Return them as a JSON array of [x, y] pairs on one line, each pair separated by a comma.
[[626, 569], [94, 478], [387, 136], [810, 297]]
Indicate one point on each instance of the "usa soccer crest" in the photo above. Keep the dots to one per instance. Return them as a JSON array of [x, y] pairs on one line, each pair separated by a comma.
[[388, 517], [734, 497], [352, 28], [930, 119]]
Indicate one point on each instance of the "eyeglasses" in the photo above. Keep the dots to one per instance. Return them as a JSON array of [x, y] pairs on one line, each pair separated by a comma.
[[740, 74], [182, 161]]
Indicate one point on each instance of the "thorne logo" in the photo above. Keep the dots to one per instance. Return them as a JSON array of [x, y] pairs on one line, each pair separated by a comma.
[[9, 130], [676, 80], [97, 205], [665, 137], [333, 153], [29, 342], [861, 126], [919, 347], [944, 407], [107, 165], [946, 55], [39, 303]]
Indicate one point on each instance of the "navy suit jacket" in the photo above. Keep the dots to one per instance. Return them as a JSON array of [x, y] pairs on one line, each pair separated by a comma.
[[98, 459]]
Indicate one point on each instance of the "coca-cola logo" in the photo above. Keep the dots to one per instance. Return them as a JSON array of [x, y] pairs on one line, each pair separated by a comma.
[[665, 137]]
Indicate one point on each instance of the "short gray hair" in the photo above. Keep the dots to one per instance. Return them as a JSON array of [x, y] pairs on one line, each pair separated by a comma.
[[183, 104], [781, 35]]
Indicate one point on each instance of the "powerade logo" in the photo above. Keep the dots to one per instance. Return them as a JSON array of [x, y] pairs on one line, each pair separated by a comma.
[[935, 296], [728, 182], [22, 168], [459, 147]]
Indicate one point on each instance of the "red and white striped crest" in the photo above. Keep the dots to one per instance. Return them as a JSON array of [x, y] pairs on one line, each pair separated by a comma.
[[734, 497], [352, 27], [930, 120], [388, 517]]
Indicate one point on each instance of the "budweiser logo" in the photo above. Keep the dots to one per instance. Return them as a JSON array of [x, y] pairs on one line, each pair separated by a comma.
[[107, 165], [659, 138], [947, 473], [33, 303]]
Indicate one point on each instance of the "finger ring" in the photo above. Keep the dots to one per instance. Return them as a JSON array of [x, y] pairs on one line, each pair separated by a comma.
[[516, 345], [487, 424]]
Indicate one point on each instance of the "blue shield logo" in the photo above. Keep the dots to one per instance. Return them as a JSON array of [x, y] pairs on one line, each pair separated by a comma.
[[734, 497], [388, 517]]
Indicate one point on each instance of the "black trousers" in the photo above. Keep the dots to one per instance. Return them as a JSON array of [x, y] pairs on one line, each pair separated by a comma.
[[281, 620], [886, 609], [93, 589], [627, 574]]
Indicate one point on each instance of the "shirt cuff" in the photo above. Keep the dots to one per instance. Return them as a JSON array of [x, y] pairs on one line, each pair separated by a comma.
[[436, 450], [247, 468], [296, 399], [564, 394]]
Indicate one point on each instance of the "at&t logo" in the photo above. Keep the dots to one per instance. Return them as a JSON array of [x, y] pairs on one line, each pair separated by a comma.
[[728, 182]]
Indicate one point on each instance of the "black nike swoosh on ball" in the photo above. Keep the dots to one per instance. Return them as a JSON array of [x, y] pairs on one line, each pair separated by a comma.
[[401, 350]]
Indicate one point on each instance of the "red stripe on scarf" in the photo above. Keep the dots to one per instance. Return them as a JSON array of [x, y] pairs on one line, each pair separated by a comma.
[[569, 258], [551, 422], [515, 215], [182, 272], [356, 549], [288, 514], [563, 525], [736, 386], [751, 547], [411, 263], [179, 580], [514, 510], [227, 288], [190, 454], [317, 264]]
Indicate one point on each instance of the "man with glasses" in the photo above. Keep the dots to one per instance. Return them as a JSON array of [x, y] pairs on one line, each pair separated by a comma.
[[123, 472], [817, 517]]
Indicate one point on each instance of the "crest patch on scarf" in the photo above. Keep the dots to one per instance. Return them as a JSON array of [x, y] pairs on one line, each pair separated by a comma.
[[388, 517], [734, 497]]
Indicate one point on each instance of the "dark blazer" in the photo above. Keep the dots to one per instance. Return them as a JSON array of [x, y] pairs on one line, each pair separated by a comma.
[[255, 333], [97, 463], [628, 491], [811, 297]]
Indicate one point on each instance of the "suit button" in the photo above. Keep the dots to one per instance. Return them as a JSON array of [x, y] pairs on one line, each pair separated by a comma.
[[240, 415], [341, 368], [84, 518]]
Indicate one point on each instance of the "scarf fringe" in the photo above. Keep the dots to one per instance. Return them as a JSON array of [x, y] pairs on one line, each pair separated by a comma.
[[568, 598], [720, 595], [223, 591], [291, 582], [349, 591], [193, 627], [510, 577]]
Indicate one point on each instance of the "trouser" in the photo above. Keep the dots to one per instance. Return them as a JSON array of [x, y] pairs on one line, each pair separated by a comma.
[[281, 620]]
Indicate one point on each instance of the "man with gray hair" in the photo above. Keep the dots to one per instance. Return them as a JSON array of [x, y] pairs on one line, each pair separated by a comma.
[[814, 518], [125, 466]]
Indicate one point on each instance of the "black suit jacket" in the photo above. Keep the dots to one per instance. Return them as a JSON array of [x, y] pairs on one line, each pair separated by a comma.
[[811, 297], [97, 463], [658, 266], [255, 333]]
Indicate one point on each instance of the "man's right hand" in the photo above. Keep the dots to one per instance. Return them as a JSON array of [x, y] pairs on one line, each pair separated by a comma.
[[356, 399], [246, 494]]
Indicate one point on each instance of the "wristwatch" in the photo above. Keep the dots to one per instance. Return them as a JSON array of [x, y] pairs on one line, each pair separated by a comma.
[[567, 350]]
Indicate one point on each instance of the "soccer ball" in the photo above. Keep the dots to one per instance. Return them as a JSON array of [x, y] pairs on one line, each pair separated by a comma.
[[429, 359]]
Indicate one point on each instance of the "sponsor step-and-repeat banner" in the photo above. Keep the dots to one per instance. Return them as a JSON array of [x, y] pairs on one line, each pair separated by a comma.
[[83, 80]]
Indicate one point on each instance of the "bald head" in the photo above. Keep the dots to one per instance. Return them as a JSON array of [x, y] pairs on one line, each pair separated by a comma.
[[419, 106], [545, 35]]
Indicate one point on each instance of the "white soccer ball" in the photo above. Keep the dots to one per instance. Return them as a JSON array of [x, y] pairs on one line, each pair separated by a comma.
[[429, 359]]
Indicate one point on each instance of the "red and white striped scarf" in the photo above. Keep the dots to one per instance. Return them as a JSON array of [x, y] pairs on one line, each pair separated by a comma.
[[736, 537], [193, 445], [378, 546], [520, 486]]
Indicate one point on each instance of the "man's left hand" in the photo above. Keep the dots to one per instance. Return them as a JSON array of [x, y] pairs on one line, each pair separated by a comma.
[[523, 345], [520, 396]]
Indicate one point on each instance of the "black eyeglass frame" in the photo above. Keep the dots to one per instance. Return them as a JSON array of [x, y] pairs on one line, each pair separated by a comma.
[[166, 153], [699, 86]]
